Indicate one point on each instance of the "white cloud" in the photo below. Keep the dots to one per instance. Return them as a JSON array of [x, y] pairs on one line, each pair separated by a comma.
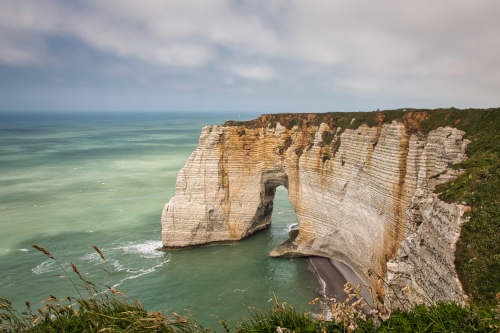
[[367, 47], [255, 72]]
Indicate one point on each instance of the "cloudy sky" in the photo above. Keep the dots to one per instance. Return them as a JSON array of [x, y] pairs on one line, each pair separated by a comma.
[[269, 55]]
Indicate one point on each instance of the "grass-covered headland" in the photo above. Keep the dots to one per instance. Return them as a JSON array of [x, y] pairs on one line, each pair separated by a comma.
[[106, 309]]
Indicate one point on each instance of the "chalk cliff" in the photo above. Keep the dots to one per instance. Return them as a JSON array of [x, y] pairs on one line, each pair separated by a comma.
[[361, 186]]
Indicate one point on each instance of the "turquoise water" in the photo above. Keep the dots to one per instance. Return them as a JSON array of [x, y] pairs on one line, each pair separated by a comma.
[[68, 182]]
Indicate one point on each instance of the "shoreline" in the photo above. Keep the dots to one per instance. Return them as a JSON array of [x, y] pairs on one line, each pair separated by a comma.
[[330, 278], [332, 275]]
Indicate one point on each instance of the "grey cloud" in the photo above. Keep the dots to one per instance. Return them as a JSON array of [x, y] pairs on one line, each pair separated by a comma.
[[446, 50], [20, 49], [254, 72]]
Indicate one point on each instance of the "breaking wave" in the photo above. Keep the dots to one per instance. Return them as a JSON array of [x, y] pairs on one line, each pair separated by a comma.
[[45, 267], [145, 249], [140, 272]]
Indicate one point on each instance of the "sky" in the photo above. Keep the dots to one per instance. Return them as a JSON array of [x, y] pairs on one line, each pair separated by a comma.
[[259, 55]]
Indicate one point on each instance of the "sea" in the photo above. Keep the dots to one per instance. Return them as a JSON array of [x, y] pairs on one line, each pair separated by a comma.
[[71, 180]]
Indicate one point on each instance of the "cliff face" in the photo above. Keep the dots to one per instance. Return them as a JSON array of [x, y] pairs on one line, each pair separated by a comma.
[[362, 195]]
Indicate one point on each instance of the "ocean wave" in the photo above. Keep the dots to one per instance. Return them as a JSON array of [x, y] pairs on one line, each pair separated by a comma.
[[240, 291], [94, 258], [45, 267], [140, 272], [145, 249], [91, 257], [117, 265], [142, 249]]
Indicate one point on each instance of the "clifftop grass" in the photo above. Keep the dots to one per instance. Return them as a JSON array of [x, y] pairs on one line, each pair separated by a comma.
[[415, 120], [478, 249]]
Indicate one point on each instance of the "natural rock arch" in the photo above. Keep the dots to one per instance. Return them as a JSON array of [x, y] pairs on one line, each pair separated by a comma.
[[361, 195]]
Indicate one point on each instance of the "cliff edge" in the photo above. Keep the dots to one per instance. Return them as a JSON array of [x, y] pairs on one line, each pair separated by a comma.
[[361, 185]]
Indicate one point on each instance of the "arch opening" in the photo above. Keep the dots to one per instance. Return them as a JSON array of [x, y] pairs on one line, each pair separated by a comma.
[[284, 221], [270, 180]]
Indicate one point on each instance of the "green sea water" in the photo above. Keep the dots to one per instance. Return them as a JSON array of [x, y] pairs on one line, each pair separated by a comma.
[[72, 180]]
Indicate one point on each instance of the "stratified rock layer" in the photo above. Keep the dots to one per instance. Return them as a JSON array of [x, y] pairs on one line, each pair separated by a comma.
[[362, 196]]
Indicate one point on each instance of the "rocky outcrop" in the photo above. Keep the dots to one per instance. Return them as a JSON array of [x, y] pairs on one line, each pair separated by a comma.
[[423, 270], [362, 194]]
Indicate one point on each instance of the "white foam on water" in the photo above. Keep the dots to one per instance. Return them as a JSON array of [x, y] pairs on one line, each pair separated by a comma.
[[92, 257], [241, 291], [145, 249], [23, 250], [140, 272], [45, 267], [117, 265], [95, 258]]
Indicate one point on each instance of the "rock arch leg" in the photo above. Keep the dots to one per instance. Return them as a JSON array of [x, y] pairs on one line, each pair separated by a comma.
[[215, 202]]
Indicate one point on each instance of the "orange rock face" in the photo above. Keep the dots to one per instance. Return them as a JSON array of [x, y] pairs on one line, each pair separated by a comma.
[[356, 193]]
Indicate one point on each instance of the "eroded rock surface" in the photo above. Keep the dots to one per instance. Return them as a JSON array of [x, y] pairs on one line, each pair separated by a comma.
[[362, 196]]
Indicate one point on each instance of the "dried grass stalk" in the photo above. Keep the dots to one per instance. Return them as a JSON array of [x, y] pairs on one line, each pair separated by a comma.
[[98, 250], [44, 250]]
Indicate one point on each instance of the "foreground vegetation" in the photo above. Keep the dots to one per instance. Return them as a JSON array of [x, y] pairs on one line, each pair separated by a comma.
[[110, 313], [441, 317], [104, 313]]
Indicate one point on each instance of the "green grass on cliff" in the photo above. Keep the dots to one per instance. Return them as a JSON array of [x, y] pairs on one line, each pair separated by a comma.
[[478, 249]]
